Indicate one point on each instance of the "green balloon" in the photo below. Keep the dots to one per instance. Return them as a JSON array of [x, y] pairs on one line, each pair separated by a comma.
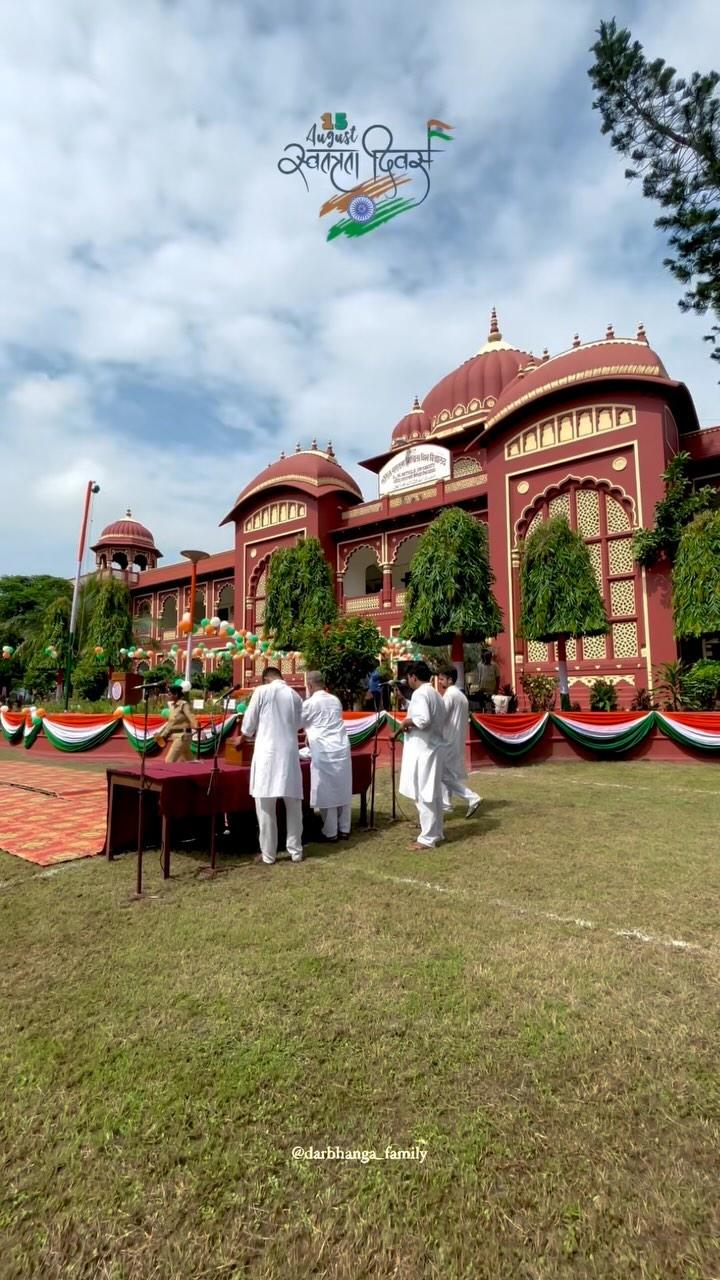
[[165, 713], [127, 711], [230, 631], [204, 622]]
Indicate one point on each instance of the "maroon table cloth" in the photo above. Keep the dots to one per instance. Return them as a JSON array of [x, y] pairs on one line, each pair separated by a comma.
[[183, 792]]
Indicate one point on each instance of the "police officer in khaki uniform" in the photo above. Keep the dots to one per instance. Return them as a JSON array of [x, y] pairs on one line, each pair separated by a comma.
[[180, 726]]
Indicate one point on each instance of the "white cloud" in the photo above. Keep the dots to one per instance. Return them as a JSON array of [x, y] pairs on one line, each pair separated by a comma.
[[145, 230]]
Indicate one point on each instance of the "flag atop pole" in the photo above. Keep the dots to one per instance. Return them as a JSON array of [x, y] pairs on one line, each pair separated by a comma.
[[438, 129]]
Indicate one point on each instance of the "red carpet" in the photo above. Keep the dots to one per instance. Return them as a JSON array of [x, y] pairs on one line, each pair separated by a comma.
[[50, 815]]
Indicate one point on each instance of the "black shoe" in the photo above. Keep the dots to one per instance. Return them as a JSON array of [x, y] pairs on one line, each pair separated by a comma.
[[343, 835], [327, 839]]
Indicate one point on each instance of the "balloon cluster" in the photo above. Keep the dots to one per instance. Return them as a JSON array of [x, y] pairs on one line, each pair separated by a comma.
[[397, 650], [7, 651], [51, 652], [135, 651], [239, 642]]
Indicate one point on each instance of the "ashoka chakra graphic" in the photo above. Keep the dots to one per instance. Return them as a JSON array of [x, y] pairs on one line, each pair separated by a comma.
[[361, 209]]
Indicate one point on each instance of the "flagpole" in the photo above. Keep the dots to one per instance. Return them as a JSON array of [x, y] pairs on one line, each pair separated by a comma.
[[91, 489]]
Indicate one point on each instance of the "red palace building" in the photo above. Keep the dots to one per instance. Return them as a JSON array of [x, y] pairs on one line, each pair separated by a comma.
[[510, 437]]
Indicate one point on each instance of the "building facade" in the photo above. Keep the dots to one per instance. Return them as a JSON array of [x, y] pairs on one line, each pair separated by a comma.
[[510, 437]]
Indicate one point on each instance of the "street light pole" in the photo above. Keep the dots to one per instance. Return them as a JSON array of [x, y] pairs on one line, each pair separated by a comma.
[[92, 488], [193, 557]]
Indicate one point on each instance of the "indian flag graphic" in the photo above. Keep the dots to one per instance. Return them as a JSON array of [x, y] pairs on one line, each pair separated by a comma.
[[372, 203]]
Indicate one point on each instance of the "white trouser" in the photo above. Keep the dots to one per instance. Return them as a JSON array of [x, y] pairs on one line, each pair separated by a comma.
[[336, 819], [454, 786], [266, 809], [431, 822]]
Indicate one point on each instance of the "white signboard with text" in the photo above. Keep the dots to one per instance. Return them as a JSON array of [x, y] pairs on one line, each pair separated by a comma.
[[418, 465]]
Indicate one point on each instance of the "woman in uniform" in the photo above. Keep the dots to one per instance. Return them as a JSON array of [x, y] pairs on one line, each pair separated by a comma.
[[181, 724]]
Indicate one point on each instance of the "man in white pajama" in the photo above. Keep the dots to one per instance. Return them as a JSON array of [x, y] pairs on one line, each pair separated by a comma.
[[331, 767], [273, 719], [423, 755], [455, 770]]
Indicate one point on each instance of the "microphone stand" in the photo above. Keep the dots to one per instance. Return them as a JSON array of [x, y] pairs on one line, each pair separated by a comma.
[[213, 775], [374, 771]]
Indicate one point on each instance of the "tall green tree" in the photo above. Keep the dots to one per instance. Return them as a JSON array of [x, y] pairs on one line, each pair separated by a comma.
[[669, 128], [672, 513], [345, 652], [449, 597], [109, 628], [23, 602], [42, 668], [696, 578], [300, 593], [559, 592]]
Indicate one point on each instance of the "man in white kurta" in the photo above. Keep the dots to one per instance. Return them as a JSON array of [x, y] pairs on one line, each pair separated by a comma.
[[457, 713], [424, 755], [273, 719], [330, 767]]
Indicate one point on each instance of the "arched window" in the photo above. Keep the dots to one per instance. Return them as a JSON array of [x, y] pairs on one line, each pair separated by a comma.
[[120, 560], [363, 575], [403, 558], [169, 617], [199, 613], [143, 618], [604, 519], [259, 599], [226, 603]]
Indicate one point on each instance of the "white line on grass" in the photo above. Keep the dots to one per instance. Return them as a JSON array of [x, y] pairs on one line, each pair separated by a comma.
[[676, 944]]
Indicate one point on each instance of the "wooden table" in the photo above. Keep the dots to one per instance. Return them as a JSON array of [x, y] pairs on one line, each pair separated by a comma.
[[182, 792]]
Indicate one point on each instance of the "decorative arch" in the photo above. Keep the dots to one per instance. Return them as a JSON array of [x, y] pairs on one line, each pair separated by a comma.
[[361, 546], [225, 602], [402, 557], [558, 488], [362, 574], [169, 613], [604, 516]]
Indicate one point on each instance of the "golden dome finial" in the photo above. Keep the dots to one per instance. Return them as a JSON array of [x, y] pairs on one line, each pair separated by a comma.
[[576, 340], [609, 332], [494, 334]]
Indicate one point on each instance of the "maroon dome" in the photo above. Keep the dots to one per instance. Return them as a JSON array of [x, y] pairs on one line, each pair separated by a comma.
[[610, 357], [469, 394], [313, 471], [127, 531], [413, 426]]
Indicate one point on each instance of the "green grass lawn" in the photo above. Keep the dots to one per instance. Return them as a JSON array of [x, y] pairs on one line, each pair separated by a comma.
[[519, 1005]]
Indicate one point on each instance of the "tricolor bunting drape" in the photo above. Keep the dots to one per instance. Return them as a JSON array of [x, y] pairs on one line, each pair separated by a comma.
[[605, 733]]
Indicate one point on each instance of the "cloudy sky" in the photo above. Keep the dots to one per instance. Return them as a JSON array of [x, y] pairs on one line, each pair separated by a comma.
[[171, 313]]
